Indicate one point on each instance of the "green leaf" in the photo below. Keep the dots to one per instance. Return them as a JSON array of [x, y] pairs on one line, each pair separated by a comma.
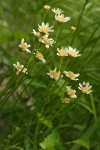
[[43, 120], [83, 142], [86, 107], [36, 83], [50, 142], [27, 142]]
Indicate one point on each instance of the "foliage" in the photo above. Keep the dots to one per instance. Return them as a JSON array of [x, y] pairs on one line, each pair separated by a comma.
[[32, 115]]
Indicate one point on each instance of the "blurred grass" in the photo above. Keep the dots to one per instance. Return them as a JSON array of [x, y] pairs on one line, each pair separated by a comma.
[[17, 19]]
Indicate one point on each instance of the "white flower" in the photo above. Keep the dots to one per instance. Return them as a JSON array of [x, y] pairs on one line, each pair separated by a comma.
[[47, 7], [44, 28], [73, 28], [40, 57], [60, 18], [20, 68], [71, 75], [24, 46], [57, 11], [62, 52], [85, 87], [73, 52], [36, 34], [71, 92], [47, 41], [65, 100], [54, 74]]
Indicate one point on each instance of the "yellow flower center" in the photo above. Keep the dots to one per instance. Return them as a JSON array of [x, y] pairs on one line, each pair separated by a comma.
[[39, 55], [61, 18], [46, 41], [38, 35], [73, 53], [20, 67], [66, 100], [62, 52], [73, 28], [47, 7], [57, 12], [44, 29], [54, 74], [71, 74], [70, 92], [23, 45], [85, 89]]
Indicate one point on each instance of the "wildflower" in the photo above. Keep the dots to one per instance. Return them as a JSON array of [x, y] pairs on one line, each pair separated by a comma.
[[36, 34], [47, 41], [71, 92], [60, 18], [44, 28], [54, 74], [85, 87], [73, 28], [65, 100], [24, 46], [47, 7], [71, 75], [62, 52], [20, 68], [73, 52], [57, 11], [40, 57]]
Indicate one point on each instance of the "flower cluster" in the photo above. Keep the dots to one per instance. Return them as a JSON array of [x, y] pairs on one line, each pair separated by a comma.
[[65, 52], [68, 52], [24, 47], [43, 33], [43, 36], [59, 16]]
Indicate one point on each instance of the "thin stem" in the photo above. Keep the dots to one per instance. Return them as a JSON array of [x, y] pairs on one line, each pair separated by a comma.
[[78, 23], [57, 33], [36, 133], [94, 111]]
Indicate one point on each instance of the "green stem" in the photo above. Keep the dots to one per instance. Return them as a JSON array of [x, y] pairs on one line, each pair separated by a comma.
[[57, 34], [78, 23], [94, 112], [93, 107], [61, 61], [45, 15], [36, 134]]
